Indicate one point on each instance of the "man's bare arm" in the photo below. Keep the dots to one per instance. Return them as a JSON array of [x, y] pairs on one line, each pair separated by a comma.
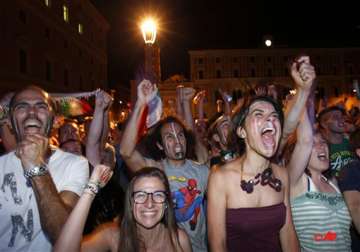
[[54, 208], [133, 159]]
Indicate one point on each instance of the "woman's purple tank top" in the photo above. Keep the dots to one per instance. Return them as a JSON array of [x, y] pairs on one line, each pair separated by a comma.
[[255, 229]]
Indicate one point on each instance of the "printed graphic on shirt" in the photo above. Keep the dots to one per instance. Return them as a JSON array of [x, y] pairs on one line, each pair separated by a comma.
[[187, 202], [10, 181], [339, 160], [19, 226]]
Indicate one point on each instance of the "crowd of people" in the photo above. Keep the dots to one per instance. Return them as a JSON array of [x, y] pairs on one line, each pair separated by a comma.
[[265, 173]]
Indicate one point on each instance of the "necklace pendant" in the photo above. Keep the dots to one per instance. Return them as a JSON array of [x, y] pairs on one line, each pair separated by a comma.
[[247, 186]]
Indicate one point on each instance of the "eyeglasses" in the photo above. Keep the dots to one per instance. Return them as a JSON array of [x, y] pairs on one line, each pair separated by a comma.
[[140, 197]]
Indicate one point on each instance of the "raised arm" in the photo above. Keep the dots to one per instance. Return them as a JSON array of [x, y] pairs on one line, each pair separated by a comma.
[[301, 154], [94, 141], [288, 238], [54, 207], [187, 95], [303, 74], [179, 107], [216, 211], [199, 104], [227, 102], [133, 159], [71, 235]]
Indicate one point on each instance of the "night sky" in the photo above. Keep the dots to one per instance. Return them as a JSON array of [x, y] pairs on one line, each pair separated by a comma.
[[201, 24]]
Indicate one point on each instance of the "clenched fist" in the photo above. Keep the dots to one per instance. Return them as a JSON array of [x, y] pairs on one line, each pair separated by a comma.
[[32, 150]]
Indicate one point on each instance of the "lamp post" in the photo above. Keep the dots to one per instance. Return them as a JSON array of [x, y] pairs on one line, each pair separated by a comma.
[[152, 51]]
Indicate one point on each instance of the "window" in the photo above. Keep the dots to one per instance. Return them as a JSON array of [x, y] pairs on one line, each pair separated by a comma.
[[252, 72], [334, 70], [80, 29], [66, 13], [201, 61], [48, 3], [22, 16], [217, 60], [48, 71], [66, 77], [218, 74], [236, 73], [201, 75], [348, 69], [47, 33], [22, 61]]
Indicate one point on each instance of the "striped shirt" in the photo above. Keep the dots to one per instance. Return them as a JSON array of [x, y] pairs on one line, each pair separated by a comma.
[[322, 220]]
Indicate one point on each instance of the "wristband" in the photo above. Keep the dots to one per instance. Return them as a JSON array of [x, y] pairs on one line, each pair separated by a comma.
[[92, 187]]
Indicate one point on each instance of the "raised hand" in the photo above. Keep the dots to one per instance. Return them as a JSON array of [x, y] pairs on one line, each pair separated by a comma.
[[260, 90], [272, 91], [101, 175], [303, 72], [146, 91], [103, 100], [32, 150], [225, 96], [199, 97], [185, 94]]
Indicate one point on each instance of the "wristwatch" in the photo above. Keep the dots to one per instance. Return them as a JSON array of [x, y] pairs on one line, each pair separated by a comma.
[[36, 171]]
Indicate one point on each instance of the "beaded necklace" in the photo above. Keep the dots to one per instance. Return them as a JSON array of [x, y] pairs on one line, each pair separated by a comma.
[[264, 178]]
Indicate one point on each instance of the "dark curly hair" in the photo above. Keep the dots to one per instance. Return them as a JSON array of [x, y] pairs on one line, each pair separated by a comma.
[[154, 136], [239, 118]]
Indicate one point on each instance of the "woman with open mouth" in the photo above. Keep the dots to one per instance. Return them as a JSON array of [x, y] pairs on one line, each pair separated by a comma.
[[321, 217]]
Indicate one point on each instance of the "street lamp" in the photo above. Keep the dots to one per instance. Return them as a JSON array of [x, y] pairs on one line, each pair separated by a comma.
[[152, 51], [148, 29], [268, 42]]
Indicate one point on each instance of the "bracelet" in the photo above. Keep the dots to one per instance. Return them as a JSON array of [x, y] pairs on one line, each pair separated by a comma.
[[92, 187]]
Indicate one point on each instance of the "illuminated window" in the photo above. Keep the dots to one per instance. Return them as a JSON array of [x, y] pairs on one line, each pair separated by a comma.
[[48, 3], [80, 28], [66, 13]]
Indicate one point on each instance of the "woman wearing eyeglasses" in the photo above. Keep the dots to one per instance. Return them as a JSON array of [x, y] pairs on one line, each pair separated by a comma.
[[148, 223]]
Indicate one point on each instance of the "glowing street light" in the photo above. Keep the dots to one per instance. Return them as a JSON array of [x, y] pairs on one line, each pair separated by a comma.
[[148, 29], [268, 42]]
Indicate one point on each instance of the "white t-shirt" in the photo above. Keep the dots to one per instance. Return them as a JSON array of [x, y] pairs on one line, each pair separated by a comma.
[[20, 228]]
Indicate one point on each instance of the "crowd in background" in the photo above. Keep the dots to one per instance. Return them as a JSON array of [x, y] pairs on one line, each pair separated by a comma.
[[267, 172]]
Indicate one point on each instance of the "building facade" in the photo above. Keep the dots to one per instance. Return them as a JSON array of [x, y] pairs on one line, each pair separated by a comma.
[[241, 69], [57, 44]]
